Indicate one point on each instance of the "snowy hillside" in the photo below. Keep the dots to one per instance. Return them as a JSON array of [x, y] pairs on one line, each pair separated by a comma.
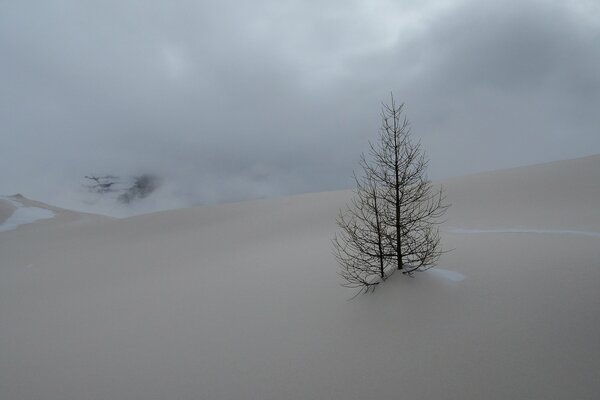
[[242, 301]]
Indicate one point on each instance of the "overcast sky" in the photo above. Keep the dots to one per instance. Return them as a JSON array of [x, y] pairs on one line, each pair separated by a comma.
[[228, 100]]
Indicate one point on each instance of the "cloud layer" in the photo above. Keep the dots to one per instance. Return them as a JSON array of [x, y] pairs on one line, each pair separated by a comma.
[[233, 100]]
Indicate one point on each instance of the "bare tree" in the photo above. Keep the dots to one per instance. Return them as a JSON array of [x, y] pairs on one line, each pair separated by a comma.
[[360, 247], [101, 184], [391, 223], [143, 186]]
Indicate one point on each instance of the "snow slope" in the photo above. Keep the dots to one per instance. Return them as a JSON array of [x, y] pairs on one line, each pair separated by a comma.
[[242, 301], [13, 213]]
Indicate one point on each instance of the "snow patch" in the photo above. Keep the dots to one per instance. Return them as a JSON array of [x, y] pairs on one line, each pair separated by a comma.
[[24, 215], [519, 230], [447, 275]]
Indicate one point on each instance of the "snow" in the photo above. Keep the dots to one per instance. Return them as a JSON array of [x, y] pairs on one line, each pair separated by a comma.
[[242, 301], [446, 275], [23, 215]]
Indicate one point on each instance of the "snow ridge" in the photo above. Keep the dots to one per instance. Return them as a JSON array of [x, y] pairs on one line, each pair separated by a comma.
[[23, 215]]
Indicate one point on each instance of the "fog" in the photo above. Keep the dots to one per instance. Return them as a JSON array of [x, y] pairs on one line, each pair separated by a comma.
[[230, 100]]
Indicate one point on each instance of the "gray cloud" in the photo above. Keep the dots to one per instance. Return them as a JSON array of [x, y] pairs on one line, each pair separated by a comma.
[[233, 100]]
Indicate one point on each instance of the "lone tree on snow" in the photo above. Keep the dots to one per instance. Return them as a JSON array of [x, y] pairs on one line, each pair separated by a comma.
[[391, 223]]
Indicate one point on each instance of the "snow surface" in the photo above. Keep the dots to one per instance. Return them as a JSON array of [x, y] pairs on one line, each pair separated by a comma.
[[242, 301], [23, 215], [446, 275]]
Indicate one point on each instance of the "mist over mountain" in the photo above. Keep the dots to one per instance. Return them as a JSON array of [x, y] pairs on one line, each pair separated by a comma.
[[226, 100]]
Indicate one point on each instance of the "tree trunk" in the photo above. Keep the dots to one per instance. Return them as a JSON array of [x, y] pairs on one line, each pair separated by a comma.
[[379, 237], [397, 189]]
